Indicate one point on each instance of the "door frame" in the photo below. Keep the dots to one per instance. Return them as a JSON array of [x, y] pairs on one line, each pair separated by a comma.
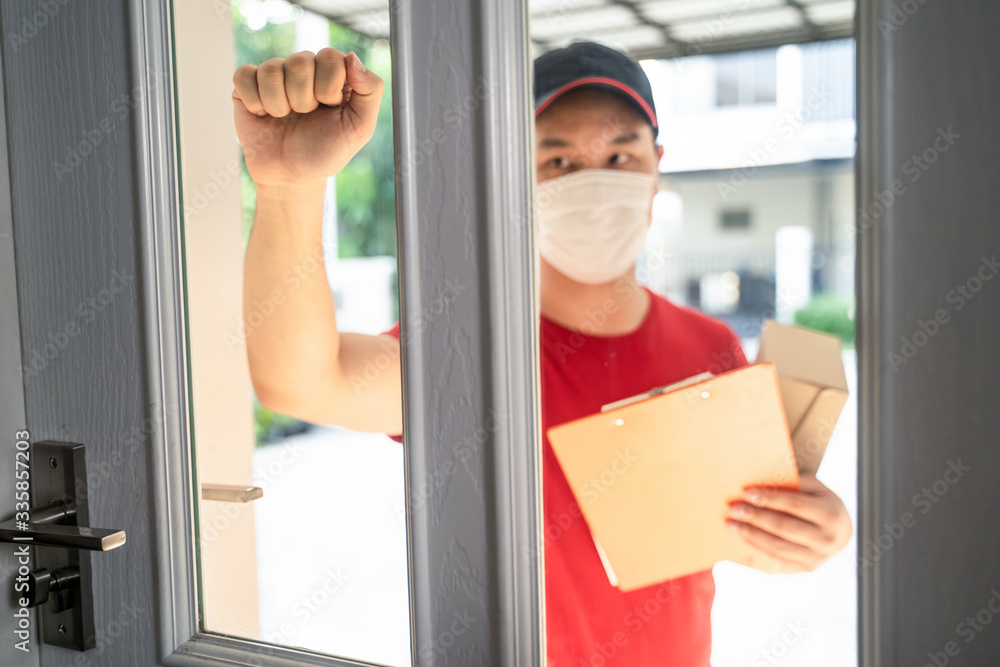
[[489, 512]]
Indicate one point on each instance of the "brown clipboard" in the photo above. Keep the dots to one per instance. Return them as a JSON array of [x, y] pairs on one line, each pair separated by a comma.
[[654, 478]]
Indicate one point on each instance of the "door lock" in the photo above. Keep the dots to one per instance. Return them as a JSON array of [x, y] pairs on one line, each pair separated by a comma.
[[61, 540]]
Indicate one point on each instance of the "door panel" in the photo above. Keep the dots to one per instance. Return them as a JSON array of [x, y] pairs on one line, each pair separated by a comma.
[[71, 107], [11, 407]]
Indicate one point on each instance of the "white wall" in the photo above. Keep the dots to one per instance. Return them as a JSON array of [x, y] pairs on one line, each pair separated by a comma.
[[775, 197]]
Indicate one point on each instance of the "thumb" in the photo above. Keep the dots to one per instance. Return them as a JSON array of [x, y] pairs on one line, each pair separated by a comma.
[[366, 94]]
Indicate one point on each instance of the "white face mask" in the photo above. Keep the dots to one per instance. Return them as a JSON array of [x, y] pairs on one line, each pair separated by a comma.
[[593, 223]]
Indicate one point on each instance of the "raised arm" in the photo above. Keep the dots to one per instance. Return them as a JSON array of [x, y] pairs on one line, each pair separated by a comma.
[[300, 120]]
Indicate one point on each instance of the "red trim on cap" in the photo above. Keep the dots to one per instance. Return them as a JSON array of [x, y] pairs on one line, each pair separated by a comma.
[[610, 82]]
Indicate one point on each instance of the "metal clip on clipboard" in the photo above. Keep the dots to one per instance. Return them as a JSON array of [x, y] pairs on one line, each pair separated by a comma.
[[656, 391]]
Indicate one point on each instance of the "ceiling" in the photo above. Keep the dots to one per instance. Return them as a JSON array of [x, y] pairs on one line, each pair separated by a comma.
[[647, 28]]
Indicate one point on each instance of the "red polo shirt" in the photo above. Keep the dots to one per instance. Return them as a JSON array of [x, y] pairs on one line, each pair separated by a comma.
[[590, 623]]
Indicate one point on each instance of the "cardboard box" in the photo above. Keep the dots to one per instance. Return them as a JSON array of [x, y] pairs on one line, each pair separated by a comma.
[[813, 385]]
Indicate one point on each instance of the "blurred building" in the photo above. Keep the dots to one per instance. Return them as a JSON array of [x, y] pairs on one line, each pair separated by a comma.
[[758, 154]]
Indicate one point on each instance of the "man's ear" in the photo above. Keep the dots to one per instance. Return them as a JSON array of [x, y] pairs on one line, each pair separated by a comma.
[[656, 169]]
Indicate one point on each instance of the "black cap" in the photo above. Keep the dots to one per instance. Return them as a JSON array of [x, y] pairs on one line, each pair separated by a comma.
[[592, 64]]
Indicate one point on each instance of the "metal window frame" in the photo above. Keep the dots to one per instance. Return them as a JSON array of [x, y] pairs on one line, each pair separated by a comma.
[[464, 216], [873, 649]]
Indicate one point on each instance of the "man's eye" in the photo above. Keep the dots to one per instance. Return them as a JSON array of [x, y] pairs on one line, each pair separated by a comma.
[[559, 163], [619, 158]]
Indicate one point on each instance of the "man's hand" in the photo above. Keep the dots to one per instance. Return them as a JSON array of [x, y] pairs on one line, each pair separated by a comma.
[[802, 529], [301, 119]]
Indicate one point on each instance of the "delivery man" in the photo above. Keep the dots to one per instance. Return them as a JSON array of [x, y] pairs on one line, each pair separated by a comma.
[[603, 337]]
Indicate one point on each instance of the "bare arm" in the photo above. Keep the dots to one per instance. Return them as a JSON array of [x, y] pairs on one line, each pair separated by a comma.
[[299, 121]]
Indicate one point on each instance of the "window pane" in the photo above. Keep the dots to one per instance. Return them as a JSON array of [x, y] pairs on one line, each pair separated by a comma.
[[322, 552], [727, 81], [756, 191]]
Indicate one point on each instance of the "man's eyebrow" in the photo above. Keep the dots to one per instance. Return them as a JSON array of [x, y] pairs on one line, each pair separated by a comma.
[[556, 142], [625, 138], [553, 142]]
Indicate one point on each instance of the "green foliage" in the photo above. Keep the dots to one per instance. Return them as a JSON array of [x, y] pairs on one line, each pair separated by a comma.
[[829, 313], [270, 425], [366, 193]]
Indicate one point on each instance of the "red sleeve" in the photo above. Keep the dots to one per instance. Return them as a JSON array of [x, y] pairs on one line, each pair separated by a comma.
[[394, 332], [725, 349], [736, 348]]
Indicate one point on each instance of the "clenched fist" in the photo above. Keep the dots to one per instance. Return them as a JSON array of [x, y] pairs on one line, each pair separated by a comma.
[[300, 119]]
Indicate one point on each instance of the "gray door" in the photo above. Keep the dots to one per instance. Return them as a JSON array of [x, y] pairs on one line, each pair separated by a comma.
[[92, 348]]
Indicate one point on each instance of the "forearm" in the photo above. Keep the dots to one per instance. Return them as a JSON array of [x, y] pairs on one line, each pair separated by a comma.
[[288, 309]]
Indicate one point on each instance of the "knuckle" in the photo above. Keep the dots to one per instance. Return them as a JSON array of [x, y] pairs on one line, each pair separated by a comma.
[[299, 64], [794, 502], [244, 73], [330, 59], [271, 71]]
